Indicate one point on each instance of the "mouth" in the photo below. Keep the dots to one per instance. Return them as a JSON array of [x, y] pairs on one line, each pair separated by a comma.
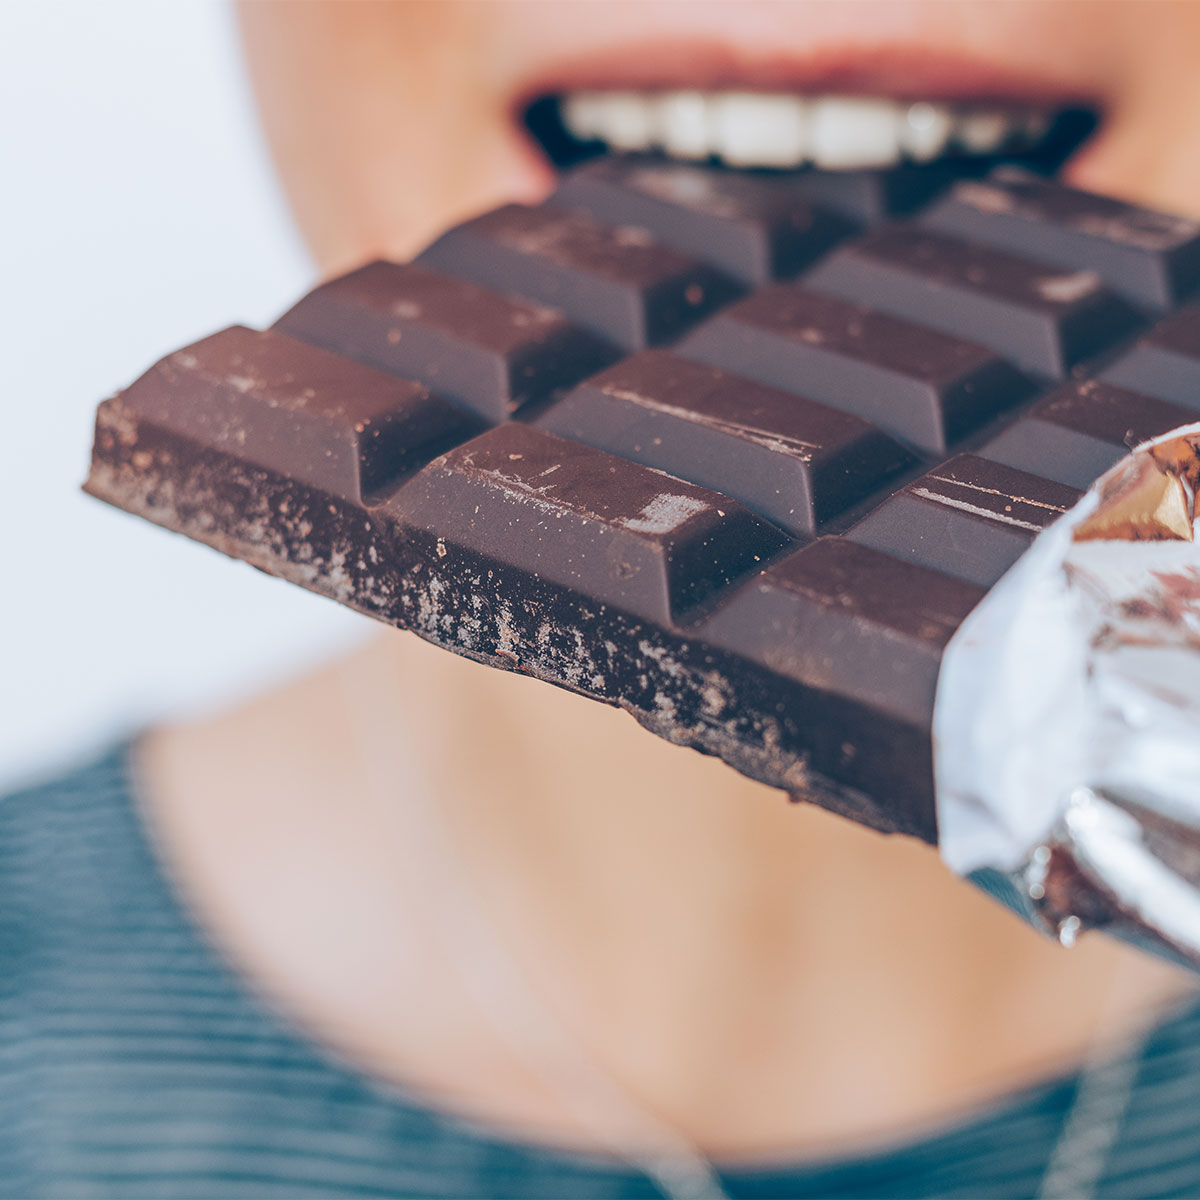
[[832, 109], [780, 130]]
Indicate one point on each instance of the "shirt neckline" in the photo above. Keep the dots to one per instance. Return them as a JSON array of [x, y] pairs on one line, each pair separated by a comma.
[[133, 809]]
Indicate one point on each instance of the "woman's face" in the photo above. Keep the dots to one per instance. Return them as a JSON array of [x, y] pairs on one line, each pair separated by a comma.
[[391, 121]]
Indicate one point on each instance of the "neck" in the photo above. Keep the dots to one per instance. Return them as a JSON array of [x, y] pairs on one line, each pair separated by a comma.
[[763, 976]]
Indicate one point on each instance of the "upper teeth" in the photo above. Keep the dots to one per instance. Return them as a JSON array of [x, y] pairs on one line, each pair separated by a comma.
[[759, 129]]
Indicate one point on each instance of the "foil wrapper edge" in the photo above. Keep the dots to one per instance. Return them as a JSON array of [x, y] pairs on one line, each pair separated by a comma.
[[1067, 719]]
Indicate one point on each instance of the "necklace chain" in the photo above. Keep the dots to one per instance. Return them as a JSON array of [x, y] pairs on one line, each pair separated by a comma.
[[506, 999], [537, 1038], [1092, 1124]]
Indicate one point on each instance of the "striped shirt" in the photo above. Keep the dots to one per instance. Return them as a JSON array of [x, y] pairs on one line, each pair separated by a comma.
[[135, 1064]]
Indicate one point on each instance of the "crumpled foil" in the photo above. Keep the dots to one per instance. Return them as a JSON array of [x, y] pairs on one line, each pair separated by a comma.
[[1067, 721]]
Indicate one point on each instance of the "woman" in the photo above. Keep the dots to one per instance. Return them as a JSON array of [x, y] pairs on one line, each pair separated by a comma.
[[412, 927]]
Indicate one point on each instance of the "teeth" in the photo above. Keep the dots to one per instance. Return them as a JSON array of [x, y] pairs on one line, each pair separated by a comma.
[[626, 121], [984, 132], [925, 131], [583, 114], [684, 128], [1033, 127], [752, 129], [764, 129], [849, 133]]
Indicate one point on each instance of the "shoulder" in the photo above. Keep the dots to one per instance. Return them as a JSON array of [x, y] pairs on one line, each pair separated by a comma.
[[104, 772], [65, 849]]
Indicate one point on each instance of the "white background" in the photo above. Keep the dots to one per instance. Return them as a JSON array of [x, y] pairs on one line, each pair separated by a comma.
[[137, 212]]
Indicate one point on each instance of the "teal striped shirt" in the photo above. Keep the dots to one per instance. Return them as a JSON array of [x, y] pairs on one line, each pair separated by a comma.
[[135, 1064]]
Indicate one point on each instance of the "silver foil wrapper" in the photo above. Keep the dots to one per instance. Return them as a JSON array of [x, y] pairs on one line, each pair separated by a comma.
[[1067, 721]]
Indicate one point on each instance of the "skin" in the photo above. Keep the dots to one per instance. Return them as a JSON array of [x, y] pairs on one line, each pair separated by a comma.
[[338, 81], [765, 978]]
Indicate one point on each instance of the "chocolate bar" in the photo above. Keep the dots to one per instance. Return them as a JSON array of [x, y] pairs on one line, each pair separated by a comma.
[[737, 452]]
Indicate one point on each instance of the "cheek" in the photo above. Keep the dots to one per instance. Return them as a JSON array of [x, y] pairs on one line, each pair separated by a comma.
[[1144, 154], [405, 181], [1145, 150], [386, 121], [390, 122]]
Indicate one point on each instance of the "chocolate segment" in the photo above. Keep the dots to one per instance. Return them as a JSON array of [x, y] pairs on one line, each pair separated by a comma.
[[270, 401], [792, 460], [1165, 363], [615, 281], [268, 449], [1043, 320], [869, 197], [846, 619], [923, 386], [1081, 429], [1150, 258], [752, 227], [488, 352], [612, 530], [969, 518]]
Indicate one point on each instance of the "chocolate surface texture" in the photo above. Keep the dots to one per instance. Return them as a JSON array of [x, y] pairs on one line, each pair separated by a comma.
[[737, 452]]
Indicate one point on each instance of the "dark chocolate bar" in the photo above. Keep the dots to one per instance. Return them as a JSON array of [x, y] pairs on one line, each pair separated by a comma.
[[614, 280], [1044, 321], [491, 354], [744, 224], [688, 441]]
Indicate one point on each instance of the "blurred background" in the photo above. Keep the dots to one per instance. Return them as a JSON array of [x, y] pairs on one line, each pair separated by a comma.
[[139, 213]]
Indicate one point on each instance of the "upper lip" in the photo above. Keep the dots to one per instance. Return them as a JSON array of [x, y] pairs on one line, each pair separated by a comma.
[[899, 72]]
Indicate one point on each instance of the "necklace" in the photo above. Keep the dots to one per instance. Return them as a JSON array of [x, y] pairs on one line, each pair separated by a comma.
[[492, 975], [1105, 1086], [1092, 1124], [536, 1036]]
